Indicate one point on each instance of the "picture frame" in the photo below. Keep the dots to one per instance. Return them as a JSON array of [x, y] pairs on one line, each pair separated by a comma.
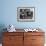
[[26, 14]]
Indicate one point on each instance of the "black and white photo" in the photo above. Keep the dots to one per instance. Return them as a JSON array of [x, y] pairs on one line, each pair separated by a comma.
[[25, 13]]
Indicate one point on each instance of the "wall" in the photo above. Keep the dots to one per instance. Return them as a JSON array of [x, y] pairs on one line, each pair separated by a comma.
[[8, 13]]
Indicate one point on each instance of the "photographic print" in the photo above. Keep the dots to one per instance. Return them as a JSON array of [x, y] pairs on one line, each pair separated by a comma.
[[26, 14]]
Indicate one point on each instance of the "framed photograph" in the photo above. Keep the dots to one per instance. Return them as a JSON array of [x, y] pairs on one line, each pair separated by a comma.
[[26, 14]]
